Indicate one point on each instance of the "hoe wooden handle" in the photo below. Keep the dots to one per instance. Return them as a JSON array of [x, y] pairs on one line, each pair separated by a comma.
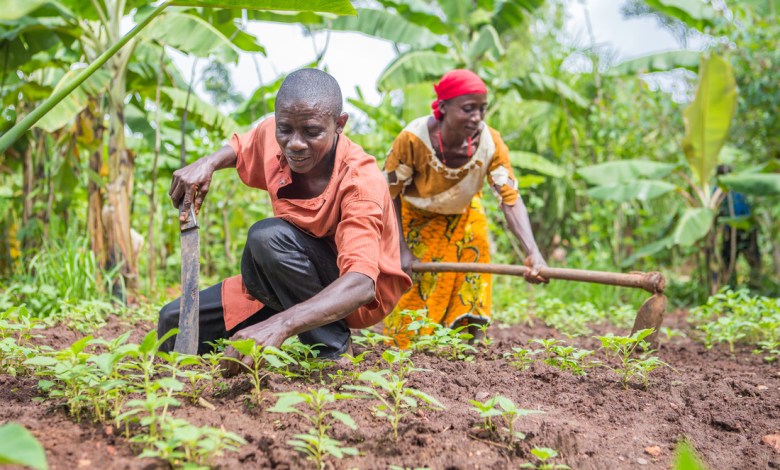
[[652, 282]]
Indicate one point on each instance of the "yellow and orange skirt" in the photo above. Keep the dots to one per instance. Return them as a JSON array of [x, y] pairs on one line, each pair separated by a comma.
[[450, 299]]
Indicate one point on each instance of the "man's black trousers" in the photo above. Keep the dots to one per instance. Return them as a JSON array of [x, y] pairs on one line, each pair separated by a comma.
[[281, 266]]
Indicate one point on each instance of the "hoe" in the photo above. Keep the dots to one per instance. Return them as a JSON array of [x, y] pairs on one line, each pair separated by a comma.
[[650, 314]]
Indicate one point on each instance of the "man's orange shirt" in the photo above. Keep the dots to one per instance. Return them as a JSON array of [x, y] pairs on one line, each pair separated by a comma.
[[355, 212]]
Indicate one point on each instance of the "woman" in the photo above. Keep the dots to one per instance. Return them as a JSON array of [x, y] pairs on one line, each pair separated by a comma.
[[436, 169]]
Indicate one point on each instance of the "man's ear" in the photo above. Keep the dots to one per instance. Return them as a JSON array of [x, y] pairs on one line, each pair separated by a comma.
[[442, 107], [341, 121]]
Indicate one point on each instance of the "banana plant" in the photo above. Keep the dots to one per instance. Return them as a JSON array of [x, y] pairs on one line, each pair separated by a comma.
[[95, 30], [707, 122]]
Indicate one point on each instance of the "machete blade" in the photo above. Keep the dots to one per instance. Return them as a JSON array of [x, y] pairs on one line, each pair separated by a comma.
[[189, 307]]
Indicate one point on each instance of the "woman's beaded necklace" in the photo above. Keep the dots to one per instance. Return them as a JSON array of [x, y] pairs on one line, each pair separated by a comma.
[[441, 147]]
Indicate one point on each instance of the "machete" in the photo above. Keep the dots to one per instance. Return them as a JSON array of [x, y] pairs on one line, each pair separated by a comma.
[[189, 306]]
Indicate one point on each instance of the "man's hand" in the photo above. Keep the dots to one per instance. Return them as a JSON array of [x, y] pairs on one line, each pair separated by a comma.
[[271, 332], [407, 259], [190, 186], [535, 262]]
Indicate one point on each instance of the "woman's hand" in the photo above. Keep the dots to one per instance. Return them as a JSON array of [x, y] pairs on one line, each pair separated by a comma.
[[407, 259], [535, 263]]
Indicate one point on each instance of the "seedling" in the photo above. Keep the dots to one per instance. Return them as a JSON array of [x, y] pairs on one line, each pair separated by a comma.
[[569, 358], [622, 348], [305, 357], [181, 443], [521, 359], [368, 338], [543, 454], [452, 343], [484, 339], [735, 317], [503, 407], [395, 398], [547, 348], [316, 444], [402, 360], [258, 354]]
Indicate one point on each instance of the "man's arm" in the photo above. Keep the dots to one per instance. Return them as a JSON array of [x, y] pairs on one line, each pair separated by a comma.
[[191, 183], [342, 297], [520, 225]]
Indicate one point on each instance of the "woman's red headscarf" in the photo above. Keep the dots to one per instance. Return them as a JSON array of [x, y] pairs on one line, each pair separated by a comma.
[[456, 83]]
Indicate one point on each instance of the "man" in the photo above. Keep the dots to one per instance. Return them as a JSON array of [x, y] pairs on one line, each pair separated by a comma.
[[329, 259]]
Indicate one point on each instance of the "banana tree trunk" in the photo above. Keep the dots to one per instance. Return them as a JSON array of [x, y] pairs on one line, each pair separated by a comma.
[[120, 187]]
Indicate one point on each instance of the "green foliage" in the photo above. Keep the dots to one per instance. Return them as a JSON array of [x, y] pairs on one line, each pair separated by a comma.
[[503, 409], [258, 355], [521, 359], [316, 444], [185, 445], [543, 454], [437, 339], [61, 276], [622, 348], [686, 458], [19, 447], [737, 317], [395, 399]]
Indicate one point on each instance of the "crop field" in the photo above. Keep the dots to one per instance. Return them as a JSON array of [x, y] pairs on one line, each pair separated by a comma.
[[524, 395]]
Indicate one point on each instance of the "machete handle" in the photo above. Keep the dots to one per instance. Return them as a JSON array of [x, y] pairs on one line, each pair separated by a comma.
[[652, 282], [191, 222]]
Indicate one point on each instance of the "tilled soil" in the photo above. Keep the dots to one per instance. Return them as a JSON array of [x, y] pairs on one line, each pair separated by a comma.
[[723, 403]]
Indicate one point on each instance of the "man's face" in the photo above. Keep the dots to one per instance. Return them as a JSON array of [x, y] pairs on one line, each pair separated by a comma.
[[306, 133], [465, 112]]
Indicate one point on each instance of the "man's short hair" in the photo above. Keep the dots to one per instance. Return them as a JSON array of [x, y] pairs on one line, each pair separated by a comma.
[[311, 86]]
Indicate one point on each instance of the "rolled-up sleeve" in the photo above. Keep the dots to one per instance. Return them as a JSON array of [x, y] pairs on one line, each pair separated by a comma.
[[399, 169], [358, 238], [249, 149]]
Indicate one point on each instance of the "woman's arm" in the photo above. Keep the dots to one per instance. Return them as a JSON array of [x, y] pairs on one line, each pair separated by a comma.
[[407, 258], [520, 225]]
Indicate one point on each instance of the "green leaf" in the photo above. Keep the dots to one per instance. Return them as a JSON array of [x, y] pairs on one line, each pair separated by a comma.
[[708, 118], [686, 458], [41, 361], [624, 171], [487, 41], [191, 35], [12, 10], [67, 109], [420, 13], [537, 86], [170, 383], [197, 108], [535, 162], [424, 397], [286, 402], [384, 24], [344, 418], [414, 67], [244, 346], [509, 14], [339, 7], [19, 447], [694, 13], [758, 184], [660, 62], [642, 190], [694, 224]]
